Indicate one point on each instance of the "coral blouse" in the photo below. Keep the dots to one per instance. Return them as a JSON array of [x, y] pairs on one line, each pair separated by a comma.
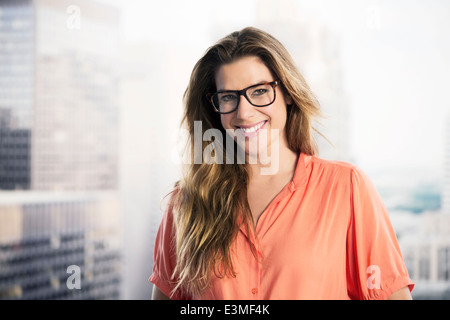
[[326, 235]]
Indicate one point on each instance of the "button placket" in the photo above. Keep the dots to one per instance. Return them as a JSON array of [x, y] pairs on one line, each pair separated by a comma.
[[256, 289], [260, 257]]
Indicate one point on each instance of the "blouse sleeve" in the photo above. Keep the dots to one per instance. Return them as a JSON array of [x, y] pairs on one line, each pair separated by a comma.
[[164, 255], [375, 266]]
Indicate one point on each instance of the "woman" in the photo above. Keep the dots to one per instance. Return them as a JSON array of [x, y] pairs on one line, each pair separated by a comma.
[[308, 229]]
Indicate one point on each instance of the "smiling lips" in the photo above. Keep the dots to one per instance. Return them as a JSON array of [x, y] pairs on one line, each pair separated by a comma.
[[253, 130]]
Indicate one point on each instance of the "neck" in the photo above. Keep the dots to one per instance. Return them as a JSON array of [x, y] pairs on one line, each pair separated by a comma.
[[281, 161]]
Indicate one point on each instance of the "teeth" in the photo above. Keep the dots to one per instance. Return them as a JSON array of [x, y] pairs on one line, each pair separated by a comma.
[[253, 129]]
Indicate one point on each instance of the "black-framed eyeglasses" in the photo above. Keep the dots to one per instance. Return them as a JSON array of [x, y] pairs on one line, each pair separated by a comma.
[[259, 95]]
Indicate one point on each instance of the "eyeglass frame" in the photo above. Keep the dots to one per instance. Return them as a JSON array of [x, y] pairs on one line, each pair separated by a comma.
[[243, 92]]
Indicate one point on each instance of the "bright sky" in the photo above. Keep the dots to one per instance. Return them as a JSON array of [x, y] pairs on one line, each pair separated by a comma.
[[395, 60], [396, 75]]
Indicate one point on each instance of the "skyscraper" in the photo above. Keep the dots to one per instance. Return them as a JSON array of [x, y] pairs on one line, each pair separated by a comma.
[[59, 203]]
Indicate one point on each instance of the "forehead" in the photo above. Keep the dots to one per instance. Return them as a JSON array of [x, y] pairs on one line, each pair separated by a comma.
[[242, 73]]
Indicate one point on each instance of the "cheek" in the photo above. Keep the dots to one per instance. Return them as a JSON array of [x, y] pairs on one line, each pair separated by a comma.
[[225, 119], [282, 112], [277, 114]]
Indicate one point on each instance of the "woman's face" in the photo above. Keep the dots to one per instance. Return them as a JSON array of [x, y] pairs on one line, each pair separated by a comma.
[[249, 121]]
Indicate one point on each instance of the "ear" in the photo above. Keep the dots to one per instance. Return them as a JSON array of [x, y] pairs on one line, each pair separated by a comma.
[[288, 100]]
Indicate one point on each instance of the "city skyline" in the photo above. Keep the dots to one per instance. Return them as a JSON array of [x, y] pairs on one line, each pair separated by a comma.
[[59, 200]]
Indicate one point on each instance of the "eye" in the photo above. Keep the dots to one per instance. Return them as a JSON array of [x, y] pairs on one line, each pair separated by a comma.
[[259, 92], [227, 98]]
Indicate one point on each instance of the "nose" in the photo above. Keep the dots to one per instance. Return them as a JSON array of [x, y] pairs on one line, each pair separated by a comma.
[[245, 110]]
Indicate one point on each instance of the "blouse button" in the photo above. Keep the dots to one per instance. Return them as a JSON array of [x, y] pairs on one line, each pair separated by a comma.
[[255, 290]]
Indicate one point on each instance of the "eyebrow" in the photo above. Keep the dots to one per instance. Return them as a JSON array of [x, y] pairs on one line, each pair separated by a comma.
[[260, 82]]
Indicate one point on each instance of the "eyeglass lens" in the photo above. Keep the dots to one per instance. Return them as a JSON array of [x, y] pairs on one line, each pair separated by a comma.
[[259, 96]]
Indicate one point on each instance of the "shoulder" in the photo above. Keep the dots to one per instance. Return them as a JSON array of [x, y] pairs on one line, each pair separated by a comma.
[[336, 173], [330, 164], [335, 167], [341, 176]]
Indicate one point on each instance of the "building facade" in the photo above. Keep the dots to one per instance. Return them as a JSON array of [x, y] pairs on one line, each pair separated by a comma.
[[427, 250], [59, 197], [44, 235], [427, 256]]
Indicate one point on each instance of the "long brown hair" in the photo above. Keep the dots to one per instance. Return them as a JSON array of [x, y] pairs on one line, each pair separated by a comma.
[[210, 201]]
